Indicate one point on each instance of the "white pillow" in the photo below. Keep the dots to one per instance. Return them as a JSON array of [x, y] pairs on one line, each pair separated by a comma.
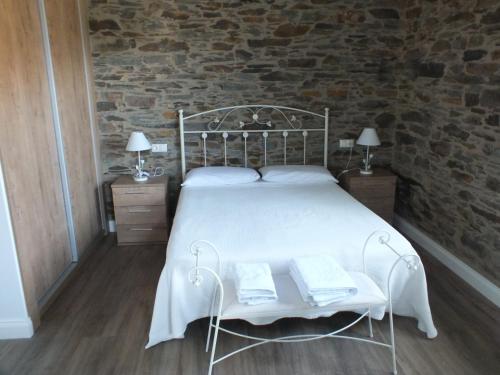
[[212, 176], [296, 174]]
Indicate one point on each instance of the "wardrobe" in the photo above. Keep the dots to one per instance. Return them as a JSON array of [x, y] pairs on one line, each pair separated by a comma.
[[48, 141]]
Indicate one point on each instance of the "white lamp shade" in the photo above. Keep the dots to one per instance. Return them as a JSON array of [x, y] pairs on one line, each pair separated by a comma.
[[138, 142], [368, 137]]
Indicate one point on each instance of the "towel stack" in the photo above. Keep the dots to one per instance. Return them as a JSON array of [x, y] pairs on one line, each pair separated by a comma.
[[321, 280], [254, 283]]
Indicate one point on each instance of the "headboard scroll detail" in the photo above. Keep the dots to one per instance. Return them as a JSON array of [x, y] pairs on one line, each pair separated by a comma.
[[216, 126]]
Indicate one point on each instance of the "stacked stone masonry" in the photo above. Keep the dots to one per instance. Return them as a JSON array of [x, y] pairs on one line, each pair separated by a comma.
[[447, 137], [426, 74]]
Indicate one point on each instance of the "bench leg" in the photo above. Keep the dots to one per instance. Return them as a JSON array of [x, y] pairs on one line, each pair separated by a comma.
[[209, 334], [370, 327], [393, 344], [214, 346]]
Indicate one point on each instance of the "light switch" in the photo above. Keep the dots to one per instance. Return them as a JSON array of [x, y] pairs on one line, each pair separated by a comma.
[[159, 147], [346, 143]]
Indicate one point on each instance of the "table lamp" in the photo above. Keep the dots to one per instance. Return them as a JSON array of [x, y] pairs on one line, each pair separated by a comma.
[[368, 138], [138, 142]]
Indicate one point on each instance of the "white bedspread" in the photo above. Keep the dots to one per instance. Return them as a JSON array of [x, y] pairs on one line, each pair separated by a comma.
[[269, 222]]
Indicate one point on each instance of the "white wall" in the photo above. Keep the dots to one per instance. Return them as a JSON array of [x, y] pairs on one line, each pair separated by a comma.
[[14, 319]]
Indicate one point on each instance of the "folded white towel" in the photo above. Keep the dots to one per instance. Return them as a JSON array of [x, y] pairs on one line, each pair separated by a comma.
[[256, 300], [321, 280], [318, 299], [254, 283]]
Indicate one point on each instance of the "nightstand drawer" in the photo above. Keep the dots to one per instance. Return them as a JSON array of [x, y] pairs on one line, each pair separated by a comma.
[[378, 205], [141, 215], [367, 193], [139, 196], [141, 233], [370, 184], [141, 210], [383, 208]]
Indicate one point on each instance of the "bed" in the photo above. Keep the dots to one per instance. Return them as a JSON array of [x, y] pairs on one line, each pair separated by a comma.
[[273, 222]]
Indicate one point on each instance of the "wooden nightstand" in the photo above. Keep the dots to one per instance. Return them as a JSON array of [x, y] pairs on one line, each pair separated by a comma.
[[376, 191], [141, 210]]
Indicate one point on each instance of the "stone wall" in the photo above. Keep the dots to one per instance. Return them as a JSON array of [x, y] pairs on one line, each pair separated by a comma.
[[425, 73], [447, 138], [154, 57]]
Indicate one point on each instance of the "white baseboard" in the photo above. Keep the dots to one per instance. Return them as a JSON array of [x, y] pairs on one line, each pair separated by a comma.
[[16, 329], [112, 226], [465, 272]]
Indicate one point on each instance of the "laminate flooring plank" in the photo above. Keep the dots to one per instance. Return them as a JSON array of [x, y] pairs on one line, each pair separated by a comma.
[[100, 322]]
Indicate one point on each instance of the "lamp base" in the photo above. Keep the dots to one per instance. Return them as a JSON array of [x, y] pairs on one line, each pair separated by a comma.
[[366, 172], [140, 178]]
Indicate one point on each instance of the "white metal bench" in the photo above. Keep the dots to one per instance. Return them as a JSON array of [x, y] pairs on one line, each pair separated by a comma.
[[290, 303]]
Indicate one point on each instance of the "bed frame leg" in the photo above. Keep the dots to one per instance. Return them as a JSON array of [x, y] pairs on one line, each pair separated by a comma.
[[370, 326]]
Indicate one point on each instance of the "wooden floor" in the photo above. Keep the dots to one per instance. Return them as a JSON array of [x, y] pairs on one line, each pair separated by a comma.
[[100, 323]]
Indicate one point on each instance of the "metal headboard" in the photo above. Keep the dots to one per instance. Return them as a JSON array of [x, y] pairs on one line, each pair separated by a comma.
[[215, 127]]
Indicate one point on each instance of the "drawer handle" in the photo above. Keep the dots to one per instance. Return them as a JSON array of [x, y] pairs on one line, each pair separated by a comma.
[[140, 229], [134, 192], [138, 211]]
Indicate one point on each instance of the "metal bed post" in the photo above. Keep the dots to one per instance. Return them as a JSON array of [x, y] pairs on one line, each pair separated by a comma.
[[183, 153], [304, 134], [245, 136], [204, 137], [285, 134], [325, 156], [265, 135], [225, 135]]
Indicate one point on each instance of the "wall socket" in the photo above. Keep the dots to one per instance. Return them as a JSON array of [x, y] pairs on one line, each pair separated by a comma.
[[159, 147], [346, 143]]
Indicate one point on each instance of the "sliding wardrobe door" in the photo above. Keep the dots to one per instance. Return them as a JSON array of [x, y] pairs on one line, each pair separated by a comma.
[[29, 153], [67, 49]]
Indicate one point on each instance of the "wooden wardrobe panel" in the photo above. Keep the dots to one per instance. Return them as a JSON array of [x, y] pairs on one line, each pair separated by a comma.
[[28, 152], [84, 7], [63, 21]]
